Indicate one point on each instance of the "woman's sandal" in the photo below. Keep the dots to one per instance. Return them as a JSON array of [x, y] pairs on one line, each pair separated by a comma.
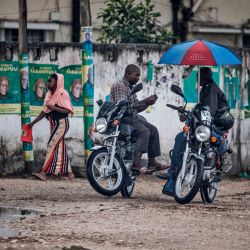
[[70, 176], [40, 176]]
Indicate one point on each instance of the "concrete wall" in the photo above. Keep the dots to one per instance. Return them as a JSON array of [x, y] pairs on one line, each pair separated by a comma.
[[110, 62]]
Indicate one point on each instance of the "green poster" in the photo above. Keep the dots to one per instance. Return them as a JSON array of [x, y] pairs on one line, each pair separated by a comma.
[[232, 91], [38, 75], [88, 86], [25, 103], [9, 88], [247, 108], [150, 70], [73, 84]]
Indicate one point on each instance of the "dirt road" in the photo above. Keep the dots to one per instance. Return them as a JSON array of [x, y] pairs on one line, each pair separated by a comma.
[[74, 216]]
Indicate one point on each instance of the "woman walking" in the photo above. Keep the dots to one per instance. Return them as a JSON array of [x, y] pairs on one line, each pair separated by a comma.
[[57, 107]]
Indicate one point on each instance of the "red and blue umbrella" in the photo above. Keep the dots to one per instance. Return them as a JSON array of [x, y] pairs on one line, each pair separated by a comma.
[[200, 52]]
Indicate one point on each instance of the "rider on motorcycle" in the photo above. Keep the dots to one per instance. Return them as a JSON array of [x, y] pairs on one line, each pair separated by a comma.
[[147, 134], [211, 96]]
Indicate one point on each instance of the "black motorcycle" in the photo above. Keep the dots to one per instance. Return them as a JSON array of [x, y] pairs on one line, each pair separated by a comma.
[[109, 165], [201, 164]]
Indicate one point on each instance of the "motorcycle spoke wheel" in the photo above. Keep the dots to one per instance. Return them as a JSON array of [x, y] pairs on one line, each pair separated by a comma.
[[183, 187], [106, 178]]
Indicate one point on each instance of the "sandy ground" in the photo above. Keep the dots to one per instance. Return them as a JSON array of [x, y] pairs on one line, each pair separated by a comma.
[[76, 217]]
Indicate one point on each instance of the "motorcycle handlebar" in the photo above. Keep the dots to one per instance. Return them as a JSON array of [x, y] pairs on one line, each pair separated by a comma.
[[174, 107]]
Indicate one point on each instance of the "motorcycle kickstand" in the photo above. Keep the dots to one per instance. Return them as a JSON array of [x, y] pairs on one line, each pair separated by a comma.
[[203, 196]]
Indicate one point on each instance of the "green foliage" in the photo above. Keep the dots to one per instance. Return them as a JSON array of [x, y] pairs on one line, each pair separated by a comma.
[[124, 21]]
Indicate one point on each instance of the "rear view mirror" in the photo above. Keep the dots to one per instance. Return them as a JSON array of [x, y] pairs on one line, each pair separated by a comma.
[[122, 103], [177, 90], [99, 102], [138, 87]]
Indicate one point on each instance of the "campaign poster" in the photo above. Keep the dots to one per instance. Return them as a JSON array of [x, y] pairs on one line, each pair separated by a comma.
[[38, 75], [88, 87], [25, 103], [9, 88], [73, 84]]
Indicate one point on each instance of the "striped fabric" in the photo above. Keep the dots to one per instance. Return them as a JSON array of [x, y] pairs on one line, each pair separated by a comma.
[[57, 160]]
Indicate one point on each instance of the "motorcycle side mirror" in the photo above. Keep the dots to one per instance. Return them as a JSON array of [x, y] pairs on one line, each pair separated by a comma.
[[138, 87], [122, 103], [177, 90], [99, 102]]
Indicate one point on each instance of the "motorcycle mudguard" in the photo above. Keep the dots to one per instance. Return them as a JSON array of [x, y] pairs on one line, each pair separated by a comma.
[[97, 147], [127, 181]]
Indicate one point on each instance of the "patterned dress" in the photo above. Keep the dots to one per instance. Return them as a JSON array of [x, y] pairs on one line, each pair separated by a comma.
[[57, 160]]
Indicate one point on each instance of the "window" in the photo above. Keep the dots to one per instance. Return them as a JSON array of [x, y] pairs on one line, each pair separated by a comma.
[[35, 36], [11, 35], [246, 41]]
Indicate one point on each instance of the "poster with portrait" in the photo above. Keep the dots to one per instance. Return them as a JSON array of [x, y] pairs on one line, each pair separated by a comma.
[[9, 88], [38, 76], [73, 84], [88, 86]]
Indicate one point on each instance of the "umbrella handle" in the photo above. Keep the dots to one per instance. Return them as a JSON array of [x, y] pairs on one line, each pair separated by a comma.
[[198, 83]]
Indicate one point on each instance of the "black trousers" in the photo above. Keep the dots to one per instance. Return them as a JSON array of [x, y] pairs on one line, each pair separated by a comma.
[[148, 140]]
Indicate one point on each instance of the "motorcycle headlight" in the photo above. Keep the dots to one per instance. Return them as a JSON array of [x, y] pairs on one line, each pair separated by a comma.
[[101, 125], [202, 133]]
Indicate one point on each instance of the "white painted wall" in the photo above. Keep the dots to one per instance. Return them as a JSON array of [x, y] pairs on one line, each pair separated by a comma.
[[106, 73]]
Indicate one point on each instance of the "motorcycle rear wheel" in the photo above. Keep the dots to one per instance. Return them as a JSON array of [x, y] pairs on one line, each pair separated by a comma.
[[127, 192], [208, 193]]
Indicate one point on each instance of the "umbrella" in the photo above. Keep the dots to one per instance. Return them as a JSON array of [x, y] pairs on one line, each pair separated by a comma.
[[200, 52]]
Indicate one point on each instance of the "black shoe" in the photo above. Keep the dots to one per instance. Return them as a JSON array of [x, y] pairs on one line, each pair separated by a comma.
[[167, 193], [168, 188], [164, 176], [135, 172]]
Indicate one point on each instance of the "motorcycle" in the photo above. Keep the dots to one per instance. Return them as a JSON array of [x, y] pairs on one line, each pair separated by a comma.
[[202, 164], [109, 164]]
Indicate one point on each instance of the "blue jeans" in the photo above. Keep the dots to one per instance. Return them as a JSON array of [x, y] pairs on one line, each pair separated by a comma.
[[222, 145], [177, 153]]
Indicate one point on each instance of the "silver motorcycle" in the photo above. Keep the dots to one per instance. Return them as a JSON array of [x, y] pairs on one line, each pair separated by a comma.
[[109, 165]]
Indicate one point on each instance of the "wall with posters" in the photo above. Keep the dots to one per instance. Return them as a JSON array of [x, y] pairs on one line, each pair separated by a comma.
[[109, 65]]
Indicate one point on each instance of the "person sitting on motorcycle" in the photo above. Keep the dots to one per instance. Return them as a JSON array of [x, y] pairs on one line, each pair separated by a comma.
[[213, 97], [147, 134]]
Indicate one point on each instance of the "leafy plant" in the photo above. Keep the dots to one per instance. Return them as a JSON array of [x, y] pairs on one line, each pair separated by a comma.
[[124, 21]]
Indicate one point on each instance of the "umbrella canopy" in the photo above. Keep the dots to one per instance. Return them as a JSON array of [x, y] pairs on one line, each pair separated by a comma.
[[199, 52]]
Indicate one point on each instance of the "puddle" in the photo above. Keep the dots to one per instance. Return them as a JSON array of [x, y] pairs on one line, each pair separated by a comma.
[[12, 214], [8, 233], [8, 214]]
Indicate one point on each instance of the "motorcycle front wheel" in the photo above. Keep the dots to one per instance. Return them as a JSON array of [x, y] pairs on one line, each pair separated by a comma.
[[185, 189], [105, 181]]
